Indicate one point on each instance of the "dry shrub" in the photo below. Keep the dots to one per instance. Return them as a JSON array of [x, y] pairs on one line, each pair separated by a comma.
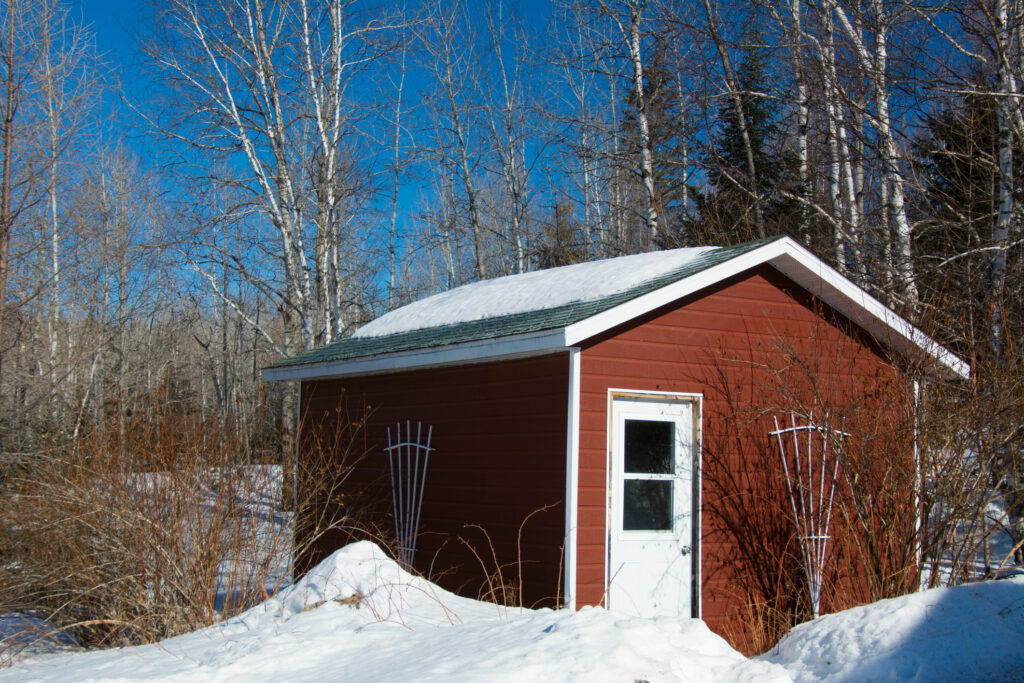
[[142, 529], [931, 473], [876, 517], [148, 527], [331, 508], [839, 383], [745, 509], [503, 582], [972, 437]]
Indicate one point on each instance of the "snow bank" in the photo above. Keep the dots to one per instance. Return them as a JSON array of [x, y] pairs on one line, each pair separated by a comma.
[[359, 617], [538, 290], [973, 632]]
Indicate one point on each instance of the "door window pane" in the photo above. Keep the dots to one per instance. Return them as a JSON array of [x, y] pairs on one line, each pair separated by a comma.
[[649, 447], [647, 505]]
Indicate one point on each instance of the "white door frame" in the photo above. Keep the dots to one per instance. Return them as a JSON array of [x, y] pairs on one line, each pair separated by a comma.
[[696, 402]]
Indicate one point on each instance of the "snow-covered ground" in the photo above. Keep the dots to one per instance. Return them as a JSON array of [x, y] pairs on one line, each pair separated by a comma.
[[973, 632], [359, 617]]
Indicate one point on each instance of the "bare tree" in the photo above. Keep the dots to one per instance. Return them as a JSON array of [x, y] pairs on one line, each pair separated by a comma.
[[69, 84], [266, 93], [449, 47], [507, 119], [873, 60], [630, 27], [734, 91], [20, 31], [266, 88]]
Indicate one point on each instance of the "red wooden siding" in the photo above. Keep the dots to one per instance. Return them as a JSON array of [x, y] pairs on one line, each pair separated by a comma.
[[500, 435], [705, 345]]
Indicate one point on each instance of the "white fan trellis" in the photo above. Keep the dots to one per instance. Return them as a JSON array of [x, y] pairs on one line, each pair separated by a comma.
[[407, 460], [811, 485]]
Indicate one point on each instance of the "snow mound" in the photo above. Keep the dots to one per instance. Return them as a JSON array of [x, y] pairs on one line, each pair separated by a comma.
[[534, 291], [973, 632], [363, 576], [359, 617]]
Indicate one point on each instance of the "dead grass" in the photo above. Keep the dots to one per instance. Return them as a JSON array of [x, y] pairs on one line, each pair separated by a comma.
[[143, 529]]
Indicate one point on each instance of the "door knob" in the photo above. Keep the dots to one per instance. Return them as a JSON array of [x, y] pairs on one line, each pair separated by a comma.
[[685, 550]]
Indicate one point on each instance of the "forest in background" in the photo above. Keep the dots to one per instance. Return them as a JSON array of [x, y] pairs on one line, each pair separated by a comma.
[[268, 175], [297, 168]]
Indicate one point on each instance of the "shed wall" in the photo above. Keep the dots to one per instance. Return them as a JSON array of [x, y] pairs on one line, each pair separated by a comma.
[[499, 430], [715, 344]]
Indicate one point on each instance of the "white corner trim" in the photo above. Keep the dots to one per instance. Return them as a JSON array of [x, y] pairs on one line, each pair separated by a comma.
[[518, 346], [572, 479]]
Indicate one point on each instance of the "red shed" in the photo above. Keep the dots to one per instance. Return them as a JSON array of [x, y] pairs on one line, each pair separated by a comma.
[[571, 409]]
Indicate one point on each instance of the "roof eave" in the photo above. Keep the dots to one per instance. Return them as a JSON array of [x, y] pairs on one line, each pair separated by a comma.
[[889, 328], [807, 270], [784, 254], [499, 348]]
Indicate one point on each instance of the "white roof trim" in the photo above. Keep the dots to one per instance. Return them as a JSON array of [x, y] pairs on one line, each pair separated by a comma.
[[518, 346], [808, 271], [890, 329], [634, 308], [785, 255]]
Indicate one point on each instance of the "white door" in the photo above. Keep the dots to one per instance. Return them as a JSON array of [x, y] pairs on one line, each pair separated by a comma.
[[651, 534]]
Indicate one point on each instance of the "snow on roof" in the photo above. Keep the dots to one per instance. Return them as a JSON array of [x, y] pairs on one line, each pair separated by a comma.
[[534, 291]]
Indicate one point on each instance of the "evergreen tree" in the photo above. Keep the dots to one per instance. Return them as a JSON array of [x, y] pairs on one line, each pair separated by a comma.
[[955, 213], [670, 133], [727, 208]]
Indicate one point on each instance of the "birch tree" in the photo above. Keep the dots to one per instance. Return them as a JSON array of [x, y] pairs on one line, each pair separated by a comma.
[[735, 92], [871, 51], [629, 17], [578, 122], [449, 48], [266, 94], [69, 83], [605, 124], [266, 90], [507, 117]]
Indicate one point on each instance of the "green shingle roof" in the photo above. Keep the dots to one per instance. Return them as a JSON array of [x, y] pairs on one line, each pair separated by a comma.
[[507, 325]]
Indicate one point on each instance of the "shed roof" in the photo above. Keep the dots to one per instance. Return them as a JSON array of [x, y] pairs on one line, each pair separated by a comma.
[[543, 311]]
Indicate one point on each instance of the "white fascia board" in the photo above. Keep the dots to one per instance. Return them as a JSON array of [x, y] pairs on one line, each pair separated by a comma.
[[889, 328], [804, 268], [623, 313], [785, 255], [517, 346]]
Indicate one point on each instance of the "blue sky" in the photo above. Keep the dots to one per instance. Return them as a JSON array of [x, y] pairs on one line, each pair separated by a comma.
[[114, 23]]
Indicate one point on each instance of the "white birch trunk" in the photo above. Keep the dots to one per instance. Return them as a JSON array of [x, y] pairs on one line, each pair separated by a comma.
[[643, 123], [1004, 218], [874, 64]]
